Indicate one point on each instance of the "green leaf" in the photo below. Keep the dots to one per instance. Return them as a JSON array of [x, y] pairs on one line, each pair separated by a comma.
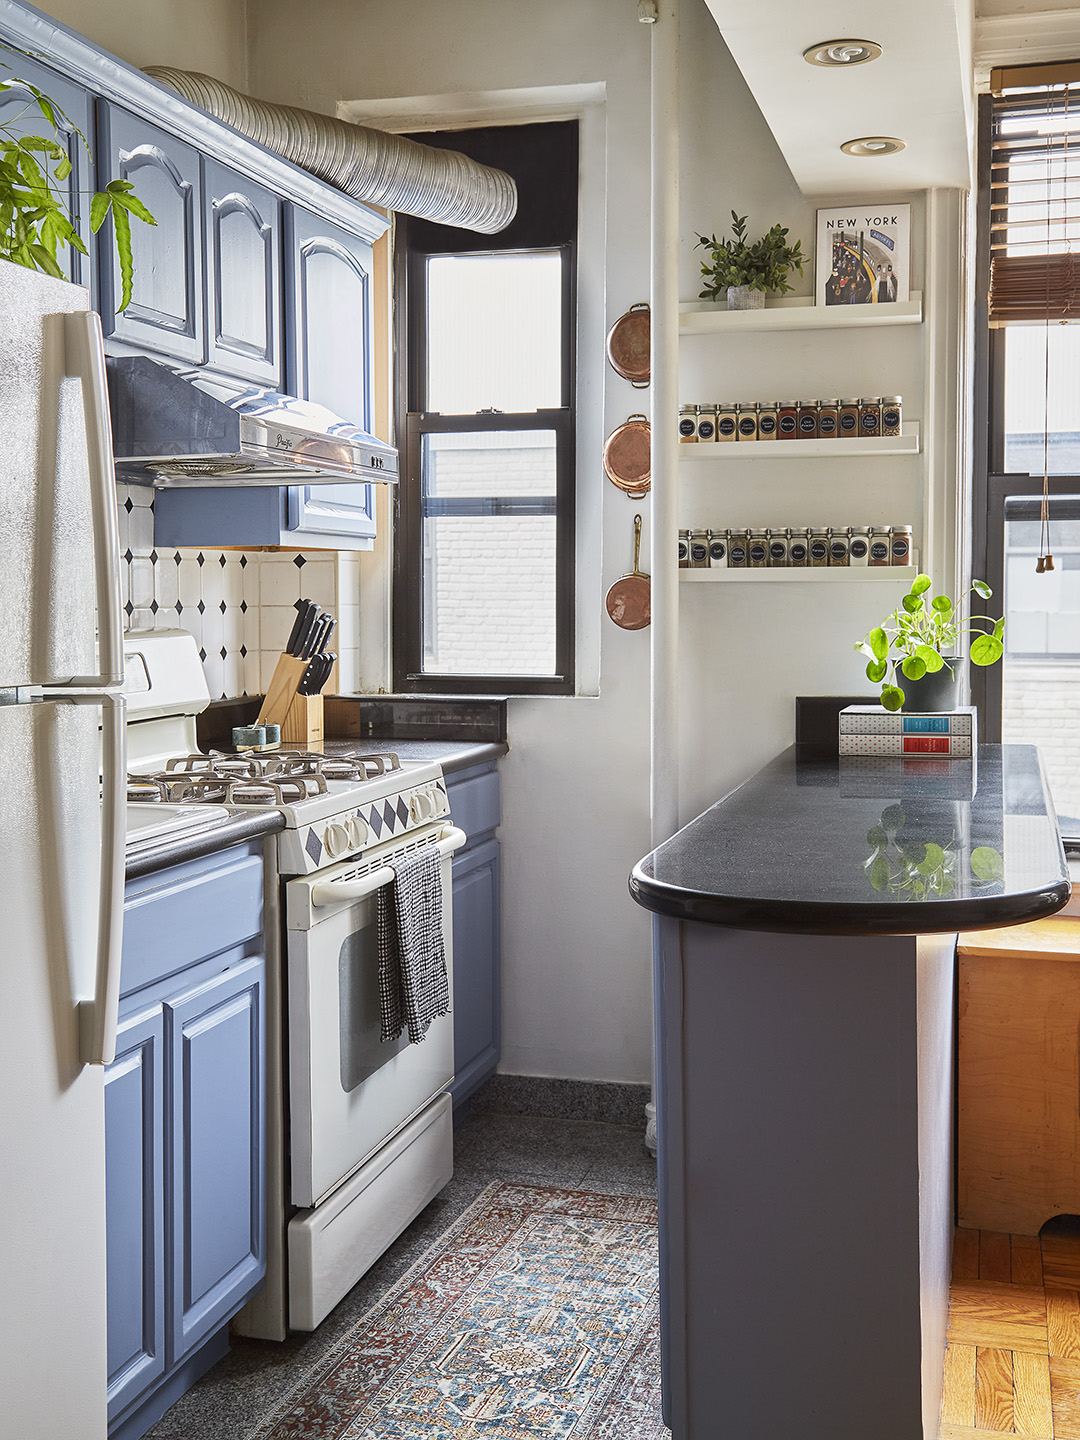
[[920, 585], [46, 262], [930, 658], [987, 864], [876, 836], [999, 628], [933, 859], [912, 603], [100, 206], [45, 105], [122, 235], [137, 208], [986, 649], [913, 667], [879, 873], [63, 168], [876, 671], [893, 817], [878, 642], [942, 604], [119, 187], [892, 697], [981, 589]]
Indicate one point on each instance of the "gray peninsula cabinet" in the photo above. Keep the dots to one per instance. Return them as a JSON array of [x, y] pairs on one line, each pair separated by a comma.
[[185, 1124]]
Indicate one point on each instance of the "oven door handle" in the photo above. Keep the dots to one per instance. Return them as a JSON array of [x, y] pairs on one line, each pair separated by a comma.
[[333, 892]]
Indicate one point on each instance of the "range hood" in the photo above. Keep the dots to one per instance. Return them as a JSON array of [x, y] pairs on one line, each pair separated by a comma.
[[182, 428]]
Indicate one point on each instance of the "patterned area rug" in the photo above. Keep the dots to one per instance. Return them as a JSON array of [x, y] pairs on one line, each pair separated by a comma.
[[535, 1317]]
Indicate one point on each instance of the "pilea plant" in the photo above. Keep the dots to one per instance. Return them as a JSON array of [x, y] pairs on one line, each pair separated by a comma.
[[763, 265], [34, 222], [917, 639]]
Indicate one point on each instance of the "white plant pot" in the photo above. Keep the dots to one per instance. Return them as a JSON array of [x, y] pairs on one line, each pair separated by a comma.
[[741, 297]]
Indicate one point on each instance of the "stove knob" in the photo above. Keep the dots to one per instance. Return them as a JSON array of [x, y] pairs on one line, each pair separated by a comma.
[[422, 807], [358, 831], [336, 839]]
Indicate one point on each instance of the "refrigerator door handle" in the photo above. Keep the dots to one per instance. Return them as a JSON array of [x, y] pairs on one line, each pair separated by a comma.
[[98, 1017], [84, 360]]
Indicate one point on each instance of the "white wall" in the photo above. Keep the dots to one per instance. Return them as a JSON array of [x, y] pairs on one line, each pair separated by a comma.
[[206, 35], [576, 949]]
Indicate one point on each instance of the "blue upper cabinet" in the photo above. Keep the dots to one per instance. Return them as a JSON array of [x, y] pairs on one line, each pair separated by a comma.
[[166, 313], [243, 293], [19, 113]]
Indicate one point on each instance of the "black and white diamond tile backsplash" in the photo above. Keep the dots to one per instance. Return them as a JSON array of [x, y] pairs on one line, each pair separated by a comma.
[[237, 603]]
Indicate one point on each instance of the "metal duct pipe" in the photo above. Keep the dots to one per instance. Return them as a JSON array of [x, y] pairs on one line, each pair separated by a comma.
[[371, 165]]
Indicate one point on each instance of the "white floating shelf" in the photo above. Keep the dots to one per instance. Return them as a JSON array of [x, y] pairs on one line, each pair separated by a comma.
[[794, 313], [906, 443], [803, 575]]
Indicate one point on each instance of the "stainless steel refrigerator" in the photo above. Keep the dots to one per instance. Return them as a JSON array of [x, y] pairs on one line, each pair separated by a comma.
[[61, 853]]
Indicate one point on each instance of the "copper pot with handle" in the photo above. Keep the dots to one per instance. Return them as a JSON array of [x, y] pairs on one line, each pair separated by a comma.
[[629, 601], [628, 345], [628, 457]]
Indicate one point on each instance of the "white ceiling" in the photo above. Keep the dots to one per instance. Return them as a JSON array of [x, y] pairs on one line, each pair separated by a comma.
[[920, 89]]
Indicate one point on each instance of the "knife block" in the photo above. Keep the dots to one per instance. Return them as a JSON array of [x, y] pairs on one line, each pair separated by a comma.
[[303, 723], [281, 692]]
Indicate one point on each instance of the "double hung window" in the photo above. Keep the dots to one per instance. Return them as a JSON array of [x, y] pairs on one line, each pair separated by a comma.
[[484, 586]]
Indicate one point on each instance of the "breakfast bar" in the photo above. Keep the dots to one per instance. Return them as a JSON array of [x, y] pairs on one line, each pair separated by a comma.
[[805, 977]]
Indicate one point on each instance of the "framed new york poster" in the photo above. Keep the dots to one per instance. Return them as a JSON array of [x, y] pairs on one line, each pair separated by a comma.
[[863, 254]]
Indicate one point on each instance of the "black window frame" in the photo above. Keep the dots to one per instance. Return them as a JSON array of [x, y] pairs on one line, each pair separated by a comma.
[[414, 244]]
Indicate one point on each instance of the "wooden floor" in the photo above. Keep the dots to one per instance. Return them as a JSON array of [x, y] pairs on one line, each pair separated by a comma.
[[1013, 1361]]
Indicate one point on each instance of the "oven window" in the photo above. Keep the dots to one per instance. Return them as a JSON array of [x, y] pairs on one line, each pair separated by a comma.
[[362, 1051]]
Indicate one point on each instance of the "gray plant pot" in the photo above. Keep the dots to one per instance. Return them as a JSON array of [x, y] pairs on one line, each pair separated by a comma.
[[741, 297], [934, 692]]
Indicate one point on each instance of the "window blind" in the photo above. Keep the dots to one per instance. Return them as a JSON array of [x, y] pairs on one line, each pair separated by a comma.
[[1035, 195]]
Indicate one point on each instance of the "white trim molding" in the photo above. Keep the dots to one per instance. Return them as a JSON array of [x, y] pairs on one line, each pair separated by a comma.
[[1025, 38]]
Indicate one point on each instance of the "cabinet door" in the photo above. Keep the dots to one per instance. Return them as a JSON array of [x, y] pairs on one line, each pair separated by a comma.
[[166, 311], [135, 1236], [477, 961], [328, 295], [244, 280], [216, 1210], [20, 116]]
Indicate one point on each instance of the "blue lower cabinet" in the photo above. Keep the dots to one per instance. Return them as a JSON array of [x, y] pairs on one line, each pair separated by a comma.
[[185, 1130]]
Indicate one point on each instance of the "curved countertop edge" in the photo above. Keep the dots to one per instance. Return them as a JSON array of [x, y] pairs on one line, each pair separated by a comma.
[[177, 850], [818, 917]]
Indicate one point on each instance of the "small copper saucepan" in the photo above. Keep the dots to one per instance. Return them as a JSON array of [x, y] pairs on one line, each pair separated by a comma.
[[628, 457], [629, 601], [628, 345]]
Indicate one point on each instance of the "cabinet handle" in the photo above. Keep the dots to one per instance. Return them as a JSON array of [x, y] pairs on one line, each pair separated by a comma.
[[98, 1017]]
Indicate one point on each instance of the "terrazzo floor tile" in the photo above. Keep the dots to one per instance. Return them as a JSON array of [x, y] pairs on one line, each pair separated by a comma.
[[232, 1397]]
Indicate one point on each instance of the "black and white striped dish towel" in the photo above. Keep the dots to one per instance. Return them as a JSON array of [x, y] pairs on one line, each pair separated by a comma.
[[413, 988]]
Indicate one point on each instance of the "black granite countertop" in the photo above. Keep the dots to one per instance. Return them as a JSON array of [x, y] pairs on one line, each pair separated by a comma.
[[178, 849], [863, 846]]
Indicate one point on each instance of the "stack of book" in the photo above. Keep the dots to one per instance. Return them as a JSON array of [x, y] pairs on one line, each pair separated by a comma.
[[872, 730]]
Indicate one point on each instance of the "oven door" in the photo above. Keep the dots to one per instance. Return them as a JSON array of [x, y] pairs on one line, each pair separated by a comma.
[[350, 1091]]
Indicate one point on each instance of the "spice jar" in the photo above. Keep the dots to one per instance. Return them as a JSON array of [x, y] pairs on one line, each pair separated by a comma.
[[767, 420], [718, 549], [684, 549], [778, 549], [880, 545], [900, 544], [687, 424], [798, 547], [891, 413], [808, 416], [747, 422], [838, 547], [870, 415], [819, 548], [787, 420], [828, 419], [858, 544], [736, 549], [706, 423], [725, 421], [699, 549], [849, 418], [757, 549]]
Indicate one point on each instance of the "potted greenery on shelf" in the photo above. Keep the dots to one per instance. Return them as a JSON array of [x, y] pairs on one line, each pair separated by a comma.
[[34, 222], [920, 641], [746, 270]]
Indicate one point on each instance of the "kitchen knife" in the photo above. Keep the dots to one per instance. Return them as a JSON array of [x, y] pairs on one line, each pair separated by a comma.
[[324, 640], [329, 661], [307, 640], [298, 625], [307, 630], [322, 629]]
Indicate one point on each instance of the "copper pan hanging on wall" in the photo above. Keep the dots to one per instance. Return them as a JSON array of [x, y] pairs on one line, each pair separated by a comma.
[[628, 457], [628, 345], [629, 601]]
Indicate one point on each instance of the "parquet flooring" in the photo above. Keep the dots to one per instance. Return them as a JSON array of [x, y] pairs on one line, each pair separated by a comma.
[[1012, 1366]]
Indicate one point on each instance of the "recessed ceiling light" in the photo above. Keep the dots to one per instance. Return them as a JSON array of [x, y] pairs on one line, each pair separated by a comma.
[[873, 145], [842, 52]]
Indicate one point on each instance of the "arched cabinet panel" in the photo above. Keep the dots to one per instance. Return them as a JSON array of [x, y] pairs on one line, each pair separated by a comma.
[[243, 246]]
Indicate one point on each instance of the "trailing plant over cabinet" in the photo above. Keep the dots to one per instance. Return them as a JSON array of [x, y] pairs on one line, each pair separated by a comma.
[[34, 222], [918, 639], [761, 265]]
